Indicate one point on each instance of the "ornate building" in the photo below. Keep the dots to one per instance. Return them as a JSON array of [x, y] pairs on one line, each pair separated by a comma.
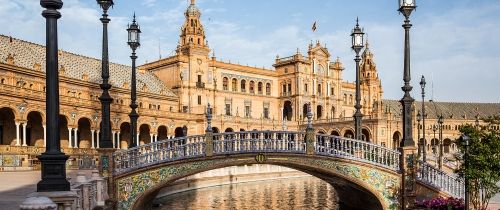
[[173, 94]]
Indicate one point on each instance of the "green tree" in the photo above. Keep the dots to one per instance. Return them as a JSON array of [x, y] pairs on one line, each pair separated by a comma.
[[483, 169]]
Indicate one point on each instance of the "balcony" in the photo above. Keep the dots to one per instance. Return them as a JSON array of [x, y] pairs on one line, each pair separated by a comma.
[[200, 84]]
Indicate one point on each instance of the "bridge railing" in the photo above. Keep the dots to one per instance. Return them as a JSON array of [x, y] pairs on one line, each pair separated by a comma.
[[259, 141], [439, 179], [158, 152], [329, 145]]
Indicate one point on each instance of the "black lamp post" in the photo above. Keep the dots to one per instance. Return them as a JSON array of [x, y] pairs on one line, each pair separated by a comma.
[[105, 98], [434, 129], [134, 33], [465, 140], [424, 115], [357, 44], [406, 7], [440, 124], [477, 121], [420, 143], [53, 161]]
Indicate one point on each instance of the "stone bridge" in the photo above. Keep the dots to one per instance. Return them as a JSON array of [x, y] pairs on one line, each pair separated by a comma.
[[360, 171]]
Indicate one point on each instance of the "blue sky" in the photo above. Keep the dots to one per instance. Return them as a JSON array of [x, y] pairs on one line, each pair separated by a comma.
[[453, 42]]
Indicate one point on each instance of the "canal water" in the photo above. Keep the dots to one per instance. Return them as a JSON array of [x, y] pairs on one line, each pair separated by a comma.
[[291, 193]]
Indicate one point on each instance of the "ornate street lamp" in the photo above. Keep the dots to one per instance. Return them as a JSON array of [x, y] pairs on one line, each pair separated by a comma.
[[357, 44], [465, 140], [420, 143], [105, 86], [406, 7], [424, 115], [440, 123], [134, 33], [53, 161]]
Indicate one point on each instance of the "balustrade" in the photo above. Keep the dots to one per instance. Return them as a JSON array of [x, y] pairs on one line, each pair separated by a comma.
[[430, 175]]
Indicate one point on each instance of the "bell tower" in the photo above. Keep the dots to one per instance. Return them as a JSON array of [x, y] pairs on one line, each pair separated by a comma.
[[370, 82], [192, 37]]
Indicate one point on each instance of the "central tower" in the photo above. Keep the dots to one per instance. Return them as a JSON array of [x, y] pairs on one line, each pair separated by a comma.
[[192, 38]]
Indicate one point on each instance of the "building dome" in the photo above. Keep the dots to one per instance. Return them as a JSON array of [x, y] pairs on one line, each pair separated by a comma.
[[193, 10]]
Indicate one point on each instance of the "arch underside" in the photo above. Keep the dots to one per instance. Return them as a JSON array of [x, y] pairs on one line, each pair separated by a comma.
[[358, 182]]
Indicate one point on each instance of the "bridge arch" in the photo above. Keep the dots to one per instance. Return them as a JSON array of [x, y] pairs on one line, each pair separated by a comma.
[[372, 185]]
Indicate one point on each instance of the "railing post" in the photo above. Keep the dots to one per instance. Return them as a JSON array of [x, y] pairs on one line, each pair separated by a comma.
[[310, 135], [209, 135], [408, 169]]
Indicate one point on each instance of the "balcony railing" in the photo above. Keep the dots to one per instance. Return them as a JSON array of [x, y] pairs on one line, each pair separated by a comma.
[[200, 84]]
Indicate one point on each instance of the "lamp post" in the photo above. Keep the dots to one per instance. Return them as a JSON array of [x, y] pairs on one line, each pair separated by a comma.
[[477, 121], [465, 140], [134, 42], [420, 143], [434, 129], [440, 123], [357, 44], [424, 115], [53, 161], [406, 7], [105, 86]]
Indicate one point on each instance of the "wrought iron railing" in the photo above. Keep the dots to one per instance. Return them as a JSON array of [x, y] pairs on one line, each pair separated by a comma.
[[434, 177], [363, 151]]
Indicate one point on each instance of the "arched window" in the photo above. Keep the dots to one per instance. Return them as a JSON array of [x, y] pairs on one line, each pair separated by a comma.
[[305, 88], [243, 86], [224, 83], [345, 98], [268, 89], [234, 85], [252, 87], [319, 89], [350, 99], [259, 87]]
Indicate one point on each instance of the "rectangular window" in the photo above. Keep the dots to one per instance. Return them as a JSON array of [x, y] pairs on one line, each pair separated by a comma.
[[199, 78], [199, 100], [266, 113], [247, 111], [228, 109]]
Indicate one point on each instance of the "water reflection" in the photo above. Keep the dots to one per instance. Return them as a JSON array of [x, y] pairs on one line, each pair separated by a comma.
[[293, 193]]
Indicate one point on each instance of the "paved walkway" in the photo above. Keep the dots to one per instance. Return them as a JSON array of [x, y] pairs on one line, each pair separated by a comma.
[[15, 186]]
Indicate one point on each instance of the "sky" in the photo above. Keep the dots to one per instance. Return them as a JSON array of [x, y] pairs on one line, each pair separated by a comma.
[[454, 44]]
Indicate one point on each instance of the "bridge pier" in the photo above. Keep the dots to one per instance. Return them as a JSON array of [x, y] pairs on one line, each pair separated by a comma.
[[106, 166], [408, 167]]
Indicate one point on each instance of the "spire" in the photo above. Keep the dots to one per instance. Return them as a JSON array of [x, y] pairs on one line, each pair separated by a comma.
[[193, 2], [192, 32]]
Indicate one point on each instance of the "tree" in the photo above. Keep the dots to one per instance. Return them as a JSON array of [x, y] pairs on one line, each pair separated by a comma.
[[483, 169]]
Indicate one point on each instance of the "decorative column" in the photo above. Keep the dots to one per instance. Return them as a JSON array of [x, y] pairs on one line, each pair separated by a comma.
[[209, 146], [151, 138], [98, 136], [105, 86], [53, 161], [24, 134], [310, 135], [17, 134], [113, 138], [70, 141], [75, 138], [44, 136], [138, 139], [118, 140], [407, 146], [441, 152], [92, 138]]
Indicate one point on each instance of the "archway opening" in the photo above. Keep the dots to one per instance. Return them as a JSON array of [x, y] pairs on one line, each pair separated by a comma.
[[179, 132], [434, 145], [84, 134], [396, 138], [446, 145], [144, 134], [228, 130], [215, 130], [125, 135], [349, 134], [365, 135], [63, 131], [162, 132], [304, 111], [7, 127], [34, 130], [319, 112], [335, 133], [288, 110]]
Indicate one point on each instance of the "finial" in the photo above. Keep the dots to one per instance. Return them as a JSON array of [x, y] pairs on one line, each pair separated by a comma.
[[357, 21], [298, 51], [309, 115], [209, 118], [133, 21], [193, 2]]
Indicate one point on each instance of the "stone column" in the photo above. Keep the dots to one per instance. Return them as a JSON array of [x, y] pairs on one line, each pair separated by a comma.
[[24, 134], [98, 131], [151, 138], [75, 131], [118, 140], [92, 138], [17, 133], [113, 138], [70, 142], [138, 140], [44, 135]]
